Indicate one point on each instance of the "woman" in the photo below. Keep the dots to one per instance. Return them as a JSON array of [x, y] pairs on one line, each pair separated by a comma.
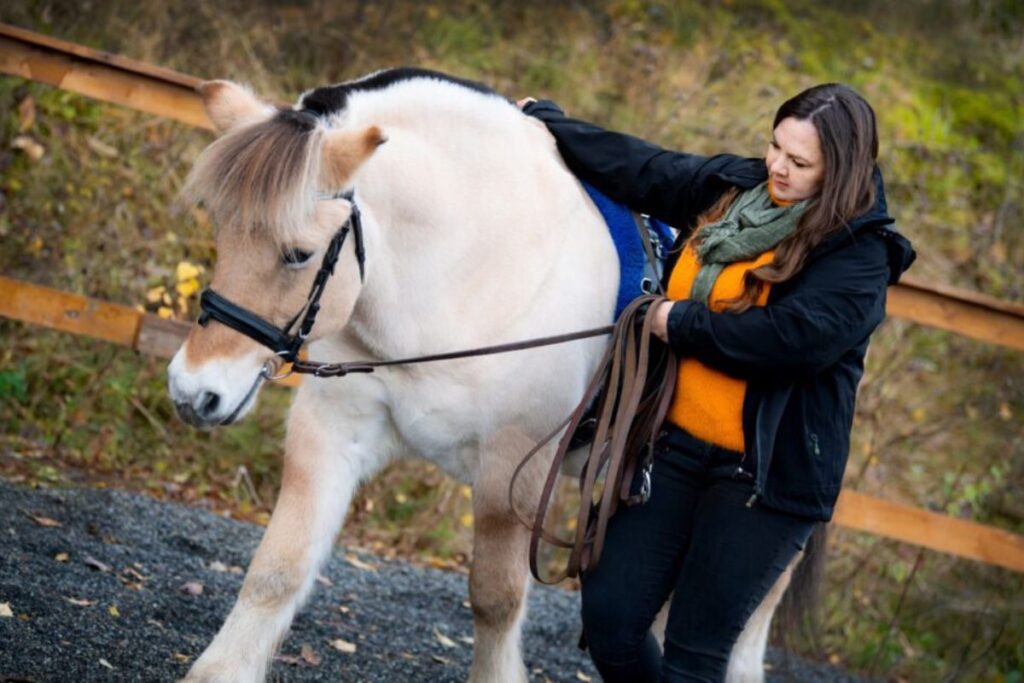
[[776, 282]]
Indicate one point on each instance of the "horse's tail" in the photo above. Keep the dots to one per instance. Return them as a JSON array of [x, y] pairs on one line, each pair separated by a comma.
[[798, 611]]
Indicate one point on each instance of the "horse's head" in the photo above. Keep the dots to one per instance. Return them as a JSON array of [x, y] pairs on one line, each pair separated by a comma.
[[270, 183]]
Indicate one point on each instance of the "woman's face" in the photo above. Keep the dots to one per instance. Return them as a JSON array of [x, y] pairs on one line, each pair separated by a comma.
[[794, 160]]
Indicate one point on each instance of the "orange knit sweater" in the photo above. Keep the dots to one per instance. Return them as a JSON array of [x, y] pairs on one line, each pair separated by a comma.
[[709, 403]]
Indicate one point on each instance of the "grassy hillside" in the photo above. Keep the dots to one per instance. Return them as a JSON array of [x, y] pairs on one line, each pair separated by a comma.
[[87, 190]]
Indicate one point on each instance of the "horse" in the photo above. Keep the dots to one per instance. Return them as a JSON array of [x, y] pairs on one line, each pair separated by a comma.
[[471, 232]]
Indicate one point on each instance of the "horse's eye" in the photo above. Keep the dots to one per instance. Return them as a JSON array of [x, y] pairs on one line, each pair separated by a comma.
[[295, 258]]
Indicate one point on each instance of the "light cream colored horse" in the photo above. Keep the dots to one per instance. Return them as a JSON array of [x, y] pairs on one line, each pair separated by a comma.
[[475, 234]]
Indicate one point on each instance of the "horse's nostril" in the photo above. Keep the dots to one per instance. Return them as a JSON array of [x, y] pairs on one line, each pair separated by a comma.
[[208, 403]]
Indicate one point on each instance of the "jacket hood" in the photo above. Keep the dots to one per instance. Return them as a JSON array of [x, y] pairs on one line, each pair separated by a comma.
[[878, 221]]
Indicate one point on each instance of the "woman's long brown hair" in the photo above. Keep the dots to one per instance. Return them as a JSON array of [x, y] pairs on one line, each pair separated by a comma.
[[849, 142]]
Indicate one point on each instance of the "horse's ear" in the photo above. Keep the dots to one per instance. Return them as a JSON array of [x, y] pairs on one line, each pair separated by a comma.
[[345, 151], [230, 105]]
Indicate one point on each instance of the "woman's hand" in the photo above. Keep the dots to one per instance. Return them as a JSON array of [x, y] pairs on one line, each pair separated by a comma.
[[659, 326]]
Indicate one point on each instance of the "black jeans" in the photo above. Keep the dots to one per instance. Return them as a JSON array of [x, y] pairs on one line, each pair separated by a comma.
[[697, 537]]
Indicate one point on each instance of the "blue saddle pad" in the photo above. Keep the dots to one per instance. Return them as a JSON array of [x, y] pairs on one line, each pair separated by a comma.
[[632, 259]]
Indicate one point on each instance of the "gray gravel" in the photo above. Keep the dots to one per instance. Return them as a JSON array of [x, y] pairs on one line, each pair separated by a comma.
[[128, 557]]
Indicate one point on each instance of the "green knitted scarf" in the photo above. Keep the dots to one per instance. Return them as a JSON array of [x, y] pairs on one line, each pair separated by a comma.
[[752, 225]]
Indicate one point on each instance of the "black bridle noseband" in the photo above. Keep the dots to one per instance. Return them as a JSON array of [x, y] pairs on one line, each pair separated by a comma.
[[286, 346]]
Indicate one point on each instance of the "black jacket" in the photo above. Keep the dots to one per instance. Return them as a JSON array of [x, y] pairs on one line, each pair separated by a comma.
[[802, 354]]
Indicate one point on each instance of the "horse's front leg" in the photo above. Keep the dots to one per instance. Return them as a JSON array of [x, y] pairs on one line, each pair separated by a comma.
[[325, 459], [499, 576]]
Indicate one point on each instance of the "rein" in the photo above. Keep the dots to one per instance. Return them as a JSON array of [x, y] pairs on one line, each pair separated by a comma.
[[632, 387]]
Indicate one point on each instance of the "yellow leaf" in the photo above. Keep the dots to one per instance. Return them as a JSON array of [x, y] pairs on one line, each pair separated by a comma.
[[164, 312], [571, 524], [187, 288], [155, 294], [113, 611], [466, 520], [35, 246], [400, 498], [467, 492], [187, 271], [918, 415]]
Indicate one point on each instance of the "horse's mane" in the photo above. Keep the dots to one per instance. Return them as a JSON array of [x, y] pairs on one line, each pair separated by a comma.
[[332, 99], [263, 176]]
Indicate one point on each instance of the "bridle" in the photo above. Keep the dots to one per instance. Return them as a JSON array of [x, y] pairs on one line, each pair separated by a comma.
[[632, 388], [284, 345], [287, 346]]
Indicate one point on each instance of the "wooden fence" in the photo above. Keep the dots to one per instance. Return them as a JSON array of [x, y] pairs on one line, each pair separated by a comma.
[[155, 90]]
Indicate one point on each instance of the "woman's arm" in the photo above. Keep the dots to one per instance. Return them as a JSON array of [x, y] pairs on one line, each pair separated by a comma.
[[837, 303], [671, 186]]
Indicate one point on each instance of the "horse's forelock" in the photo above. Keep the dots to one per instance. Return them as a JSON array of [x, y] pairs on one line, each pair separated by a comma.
[[260, 178]]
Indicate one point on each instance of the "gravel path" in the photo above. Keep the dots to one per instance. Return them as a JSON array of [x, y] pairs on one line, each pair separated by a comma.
[[100, 585]]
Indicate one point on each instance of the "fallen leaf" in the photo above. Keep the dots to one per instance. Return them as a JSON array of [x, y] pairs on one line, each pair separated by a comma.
[[309, 655], [466, 520], [323, 580], [289, 659], [440, 659], [343, 609], [165, 312], [32, 149], [178, 657], [131, 571], [583, 677], [81, 602], [61, 557], [43, 521], [218, 566], [92, 562], [192, 588], [443, 639], [113, 611], [5, 610], [106, 664], [466, 639], [359, 564], [343, 646], [101, 148], [26, 114]]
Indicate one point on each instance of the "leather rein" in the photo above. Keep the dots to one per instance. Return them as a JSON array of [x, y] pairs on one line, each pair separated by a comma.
[[632, 388]]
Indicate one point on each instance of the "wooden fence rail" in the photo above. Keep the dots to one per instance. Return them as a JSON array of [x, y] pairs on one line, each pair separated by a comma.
[[155, 90], [152, 335]]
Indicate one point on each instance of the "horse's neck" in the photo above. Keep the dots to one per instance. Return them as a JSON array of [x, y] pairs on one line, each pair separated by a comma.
[[469, 212]]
